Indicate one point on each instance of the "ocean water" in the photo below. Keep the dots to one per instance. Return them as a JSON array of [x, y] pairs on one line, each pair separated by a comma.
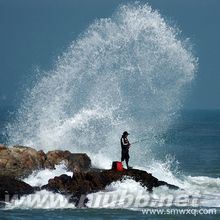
[[131, 71], [91, 214]]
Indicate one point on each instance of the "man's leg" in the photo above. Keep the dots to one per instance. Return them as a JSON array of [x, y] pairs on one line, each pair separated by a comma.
[[127, 160], [122, 156]]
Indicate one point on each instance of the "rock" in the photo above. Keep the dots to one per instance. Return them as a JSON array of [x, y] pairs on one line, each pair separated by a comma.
[[20, 161], [73, 162], [2, 147], [11, 187], [84, 183]]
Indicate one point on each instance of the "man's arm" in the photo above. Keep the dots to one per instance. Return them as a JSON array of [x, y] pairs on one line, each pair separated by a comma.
[[125, 143]]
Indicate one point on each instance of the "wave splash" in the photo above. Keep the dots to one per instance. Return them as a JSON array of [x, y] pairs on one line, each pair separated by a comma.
[[127, 72]]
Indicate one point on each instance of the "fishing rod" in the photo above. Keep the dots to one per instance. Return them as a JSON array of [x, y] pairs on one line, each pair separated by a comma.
[[144, 139], [140, 141]]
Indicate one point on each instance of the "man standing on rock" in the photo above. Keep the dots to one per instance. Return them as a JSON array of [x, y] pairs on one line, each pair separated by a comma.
[[125, 145]]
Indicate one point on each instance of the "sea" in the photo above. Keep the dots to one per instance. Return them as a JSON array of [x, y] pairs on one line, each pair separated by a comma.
[[132, 71]]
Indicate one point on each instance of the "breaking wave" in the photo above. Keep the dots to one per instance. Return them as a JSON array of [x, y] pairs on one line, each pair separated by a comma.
[[127, 72]]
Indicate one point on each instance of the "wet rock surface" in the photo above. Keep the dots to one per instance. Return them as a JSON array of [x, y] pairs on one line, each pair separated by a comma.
[[11, 187], [20, 161], [81, 184]]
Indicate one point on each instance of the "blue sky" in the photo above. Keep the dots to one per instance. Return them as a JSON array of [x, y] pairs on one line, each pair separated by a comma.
[[34, 33]]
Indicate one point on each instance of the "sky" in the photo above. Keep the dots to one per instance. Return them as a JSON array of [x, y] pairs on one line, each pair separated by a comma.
[[33, 33]]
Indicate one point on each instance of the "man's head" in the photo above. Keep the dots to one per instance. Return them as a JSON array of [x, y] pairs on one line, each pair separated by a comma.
[[125, 134]]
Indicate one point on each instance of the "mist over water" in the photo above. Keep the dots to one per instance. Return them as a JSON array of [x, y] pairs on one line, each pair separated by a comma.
[[128, 72]]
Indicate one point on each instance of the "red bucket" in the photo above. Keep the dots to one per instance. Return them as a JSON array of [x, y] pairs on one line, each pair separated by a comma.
[[117, 166]]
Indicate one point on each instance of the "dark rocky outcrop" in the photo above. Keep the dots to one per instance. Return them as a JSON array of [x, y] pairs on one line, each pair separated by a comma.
[[83, 183], [10, 187], [20, 161]]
